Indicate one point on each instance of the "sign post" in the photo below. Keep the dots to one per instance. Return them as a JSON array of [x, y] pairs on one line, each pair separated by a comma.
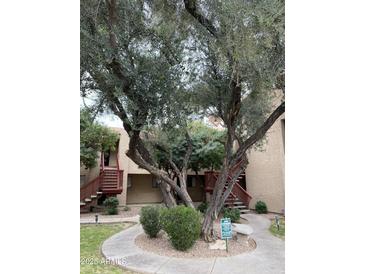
[[226, 230]]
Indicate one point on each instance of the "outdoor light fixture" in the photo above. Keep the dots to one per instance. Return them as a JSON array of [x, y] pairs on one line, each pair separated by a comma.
[[277, 222]]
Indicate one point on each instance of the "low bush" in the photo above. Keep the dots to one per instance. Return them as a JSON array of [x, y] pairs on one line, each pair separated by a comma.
[[232, 213], [150, 220], [182, 225], [111, 205], [261, 207], [203, 207]]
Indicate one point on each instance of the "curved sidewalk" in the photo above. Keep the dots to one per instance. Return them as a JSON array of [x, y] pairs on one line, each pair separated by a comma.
[[268, 257]]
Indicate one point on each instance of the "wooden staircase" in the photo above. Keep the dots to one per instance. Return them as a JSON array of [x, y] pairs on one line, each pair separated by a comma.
[[238, 198], [109, 182]]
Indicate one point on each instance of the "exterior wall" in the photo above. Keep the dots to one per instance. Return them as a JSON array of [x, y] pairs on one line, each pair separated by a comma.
[[266, 170], [113, 158], [141, 190], [131, 168], [264, 174], [91, 173]]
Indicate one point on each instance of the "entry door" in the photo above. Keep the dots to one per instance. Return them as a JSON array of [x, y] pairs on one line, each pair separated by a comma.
[[106, 158]]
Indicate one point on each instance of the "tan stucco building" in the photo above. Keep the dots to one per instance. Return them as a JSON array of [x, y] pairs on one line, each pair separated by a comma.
[[264, 178]]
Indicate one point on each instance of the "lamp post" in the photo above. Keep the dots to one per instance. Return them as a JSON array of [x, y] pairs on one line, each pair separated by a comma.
[[277, 222]]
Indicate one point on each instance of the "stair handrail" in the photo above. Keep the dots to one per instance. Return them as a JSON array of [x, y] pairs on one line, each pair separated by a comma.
[[90, 188], [241, 193]]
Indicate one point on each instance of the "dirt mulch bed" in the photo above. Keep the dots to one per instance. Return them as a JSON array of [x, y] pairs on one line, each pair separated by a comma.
[[162, 246], [133, 211]]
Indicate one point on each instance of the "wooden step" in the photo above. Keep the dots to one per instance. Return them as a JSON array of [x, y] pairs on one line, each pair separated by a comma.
[[82, 203], [87, 200], [106, 189], [240, 206], [236, 206], [112, 191], [234, 202]]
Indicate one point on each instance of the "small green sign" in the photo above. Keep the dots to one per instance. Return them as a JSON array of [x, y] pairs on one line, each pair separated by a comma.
[[226, 228]]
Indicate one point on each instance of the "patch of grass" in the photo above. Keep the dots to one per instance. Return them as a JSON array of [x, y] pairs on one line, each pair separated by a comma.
[[274, 230], [91, 239]]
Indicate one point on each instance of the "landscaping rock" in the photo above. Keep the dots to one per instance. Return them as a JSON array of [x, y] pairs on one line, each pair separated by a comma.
[[242, 229], [234, 236]]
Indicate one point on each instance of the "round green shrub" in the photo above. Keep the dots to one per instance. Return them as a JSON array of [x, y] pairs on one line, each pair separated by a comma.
[[261, 207], [150, 220], [232, 213], [111, 205], [203, 207], [182, 225]]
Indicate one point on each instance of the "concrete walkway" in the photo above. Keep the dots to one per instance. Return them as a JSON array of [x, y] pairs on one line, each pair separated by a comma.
[[268, 257], [107, 219]]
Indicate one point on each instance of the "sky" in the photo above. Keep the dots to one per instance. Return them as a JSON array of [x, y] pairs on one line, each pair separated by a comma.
[[106, 119], [110, 120]]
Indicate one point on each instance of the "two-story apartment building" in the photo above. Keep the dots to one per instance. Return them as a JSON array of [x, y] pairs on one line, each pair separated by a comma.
[[116, 174]]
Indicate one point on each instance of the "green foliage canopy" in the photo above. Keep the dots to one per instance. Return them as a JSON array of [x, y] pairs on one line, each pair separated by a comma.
[[207, 146], [94, 138]]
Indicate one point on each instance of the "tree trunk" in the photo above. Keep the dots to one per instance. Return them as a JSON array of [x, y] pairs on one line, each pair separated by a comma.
[[140, 155], [168, 198], [211, 215], [215, 205], [218, 199], [184, 195]]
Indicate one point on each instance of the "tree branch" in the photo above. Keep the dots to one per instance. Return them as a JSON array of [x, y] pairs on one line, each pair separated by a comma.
[[188, 152], [139, 160], [190, 6], [260, 132]]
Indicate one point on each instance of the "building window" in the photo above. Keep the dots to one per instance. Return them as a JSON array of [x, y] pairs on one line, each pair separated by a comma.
[[191, 181], [154, 182]]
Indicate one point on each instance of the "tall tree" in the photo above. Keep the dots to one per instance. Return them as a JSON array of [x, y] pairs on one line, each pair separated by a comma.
[[243, 45], [131, 61], [147, 59], [169, 148]]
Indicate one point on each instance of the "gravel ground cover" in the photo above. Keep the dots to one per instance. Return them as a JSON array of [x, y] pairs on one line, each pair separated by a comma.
[[162, 246], [133, 211]]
